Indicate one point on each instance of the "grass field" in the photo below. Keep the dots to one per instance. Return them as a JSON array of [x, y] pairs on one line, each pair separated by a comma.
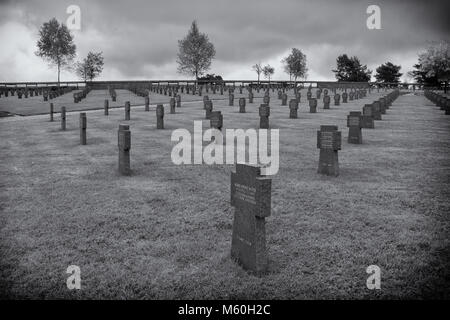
[[165, 231]]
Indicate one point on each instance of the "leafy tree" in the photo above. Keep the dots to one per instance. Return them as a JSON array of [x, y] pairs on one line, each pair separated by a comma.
[[388, 72], [258, 68], [295, 64], [268, 71], [55, 45], [433, 65], [351, 69], [195, 52], [90, 67]]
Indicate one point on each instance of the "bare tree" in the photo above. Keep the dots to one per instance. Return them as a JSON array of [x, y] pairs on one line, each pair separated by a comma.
[[195, 53], [258, 69], [268, 71]]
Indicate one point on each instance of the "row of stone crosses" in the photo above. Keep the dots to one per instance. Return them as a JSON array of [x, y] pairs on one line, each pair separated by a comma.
[[46, 92], [439, 99], [251, 192]]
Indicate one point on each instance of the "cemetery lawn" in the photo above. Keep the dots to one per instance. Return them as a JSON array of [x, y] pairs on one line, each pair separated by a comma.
[[165, 232]]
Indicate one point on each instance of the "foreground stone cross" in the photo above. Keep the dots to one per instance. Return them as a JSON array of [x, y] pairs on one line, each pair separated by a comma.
[[208, 109], [293, 107], [159, 116], [284, 99], [326, 102], [51, 111], [106, 107], [231, 99], [147, 103], [337, 99], [172, 105], [127, 110], [251, 197], [354, 123], [344, 97], [216, 120], [313, 105], [367, 118], [376, 109], [124, 143], [382, 105], [205, 99], [329, 142], [264, 113], [63, 118], [83, 126], [241, 105]]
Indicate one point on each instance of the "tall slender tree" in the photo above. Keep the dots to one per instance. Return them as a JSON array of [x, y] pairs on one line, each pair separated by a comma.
[[268, 71], [195, 53], [55, 45], [258, 69], [295, 64]]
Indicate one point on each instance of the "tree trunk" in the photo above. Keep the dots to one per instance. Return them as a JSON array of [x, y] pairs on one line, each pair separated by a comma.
[[59, 70]]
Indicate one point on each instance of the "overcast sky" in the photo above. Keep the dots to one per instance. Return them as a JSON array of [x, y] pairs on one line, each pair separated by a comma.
[[139, 38]]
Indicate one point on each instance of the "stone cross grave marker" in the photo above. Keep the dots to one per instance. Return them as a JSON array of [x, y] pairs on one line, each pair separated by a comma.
[[354, 123], [106, 107], [264, 113], [172, 105], [312, 105], [216, 121], [376, 110], [231, 99], [208, 109], [124, 144], [329, 142], [159, 116], [205, 98], [293, 108], [337, 99], [383, 106], [284, 99], [51, 111], [63, 118], [326, 102], [344, 97], [250, 97], [367, 118], [127, 110], [147, 103], [83, 126], [241, 105], [251, 197]]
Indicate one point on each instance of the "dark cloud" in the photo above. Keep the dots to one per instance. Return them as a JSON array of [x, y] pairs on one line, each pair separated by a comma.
[[139, 38]]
